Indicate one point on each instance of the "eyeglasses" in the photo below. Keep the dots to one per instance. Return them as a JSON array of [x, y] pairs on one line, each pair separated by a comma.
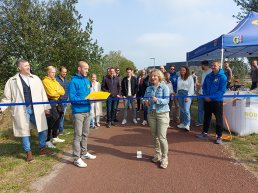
[[172, 68]]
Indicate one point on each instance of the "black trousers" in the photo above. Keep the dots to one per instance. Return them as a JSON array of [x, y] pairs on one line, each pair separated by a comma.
[[53, 121], [216, 108], [254, 85]]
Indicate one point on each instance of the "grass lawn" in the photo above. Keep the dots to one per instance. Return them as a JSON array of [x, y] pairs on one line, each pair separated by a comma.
[[15, 173], [245, 151]]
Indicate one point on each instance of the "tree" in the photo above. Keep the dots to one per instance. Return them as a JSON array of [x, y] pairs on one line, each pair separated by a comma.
[[44, 33], [116, 59], [239, 68], [246, 7]]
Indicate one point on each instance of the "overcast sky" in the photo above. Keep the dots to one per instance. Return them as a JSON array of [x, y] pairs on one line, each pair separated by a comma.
[[160, 29]]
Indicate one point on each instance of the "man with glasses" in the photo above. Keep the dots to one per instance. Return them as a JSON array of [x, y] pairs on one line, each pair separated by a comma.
[[120, 81], [173, 80]]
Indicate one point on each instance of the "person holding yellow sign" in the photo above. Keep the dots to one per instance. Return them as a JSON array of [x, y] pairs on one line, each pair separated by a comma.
[[79, 89], [96, 107]]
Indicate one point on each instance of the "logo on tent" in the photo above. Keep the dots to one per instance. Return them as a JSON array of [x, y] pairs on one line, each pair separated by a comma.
[[255, 22], [238, 39]]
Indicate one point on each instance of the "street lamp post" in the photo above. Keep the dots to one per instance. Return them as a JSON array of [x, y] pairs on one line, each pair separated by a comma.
[[153, 61]]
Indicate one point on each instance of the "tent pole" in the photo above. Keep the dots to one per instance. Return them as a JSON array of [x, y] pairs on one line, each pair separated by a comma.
[[222, 57]]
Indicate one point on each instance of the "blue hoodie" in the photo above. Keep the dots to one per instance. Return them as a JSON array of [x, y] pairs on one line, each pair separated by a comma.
[[173, 80], [215, 85], [79, 88]]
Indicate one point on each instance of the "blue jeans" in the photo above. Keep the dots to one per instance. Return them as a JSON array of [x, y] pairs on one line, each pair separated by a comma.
[[184, 108], [61, 124], [111, 109], [92, 121], [127, 104], [200, 114], [42, 135]]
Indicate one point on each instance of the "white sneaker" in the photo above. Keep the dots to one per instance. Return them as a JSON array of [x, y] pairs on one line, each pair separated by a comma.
[[187, 127], [58, 140], [124, 122], [134, 121], [164, 163], [80, 163], [50, 145], [88, 156], [181, 126], [144, 122]]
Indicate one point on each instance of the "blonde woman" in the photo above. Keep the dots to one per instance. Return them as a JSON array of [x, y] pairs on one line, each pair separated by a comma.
[[157, 99], [96, 108], [54, 90]]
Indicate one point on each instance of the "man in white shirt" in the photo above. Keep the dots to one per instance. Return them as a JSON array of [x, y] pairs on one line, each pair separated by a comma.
[[206, 70]]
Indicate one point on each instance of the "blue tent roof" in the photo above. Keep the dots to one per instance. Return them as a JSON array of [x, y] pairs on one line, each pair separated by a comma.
[[242, 41]]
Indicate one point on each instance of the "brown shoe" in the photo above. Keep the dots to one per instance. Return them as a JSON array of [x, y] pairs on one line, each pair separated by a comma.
[[29, 156], [45, 152]]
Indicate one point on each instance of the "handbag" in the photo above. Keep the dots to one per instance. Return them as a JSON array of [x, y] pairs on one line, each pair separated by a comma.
[[60, 108]]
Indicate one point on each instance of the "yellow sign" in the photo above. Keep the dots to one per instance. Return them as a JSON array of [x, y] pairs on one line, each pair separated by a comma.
[[251, 115], [98, 95], [255, 22]]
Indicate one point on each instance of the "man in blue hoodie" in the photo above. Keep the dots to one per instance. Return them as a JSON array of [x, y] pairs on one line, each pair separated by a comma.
[[173, 80], [79, 89], [214, 87]]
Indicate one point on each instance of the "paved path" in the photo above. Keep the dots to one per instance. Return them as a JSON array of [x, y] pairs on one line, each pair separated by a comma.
[[194, 166]]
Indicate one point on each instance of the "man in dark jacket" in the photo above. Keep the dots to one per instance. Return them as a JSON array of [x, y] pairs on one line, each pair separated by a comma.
[[61, 78], [129, 90], [214, 86], [111, 84], [120, 80], [146, 83], [140, 90]]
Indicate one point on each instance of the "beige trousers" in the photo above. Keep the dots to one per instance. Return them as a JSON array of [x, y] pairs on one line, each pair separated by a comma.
[[159, 123]]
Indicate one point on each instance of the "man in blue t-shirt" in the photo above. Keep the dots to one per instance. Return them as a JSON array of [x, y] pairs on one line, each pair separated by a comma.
[[173, 80], [214, 87], [79, 89]]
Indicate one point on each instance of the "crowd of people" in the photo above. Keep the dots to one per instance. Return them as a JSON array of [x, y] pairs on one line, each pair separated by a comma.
[[163, 97]]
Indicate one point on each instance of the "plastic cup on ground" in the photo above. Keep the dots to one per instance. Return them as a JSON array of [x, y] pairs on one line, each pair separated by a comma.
[[139, 154]]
